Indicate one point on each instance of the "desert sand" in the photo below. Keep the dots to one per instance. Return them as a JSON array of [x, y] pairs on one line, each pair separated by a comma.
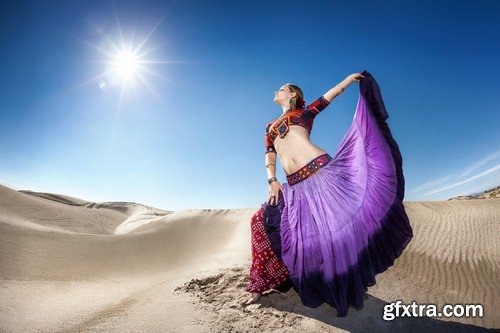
[[69, 265]]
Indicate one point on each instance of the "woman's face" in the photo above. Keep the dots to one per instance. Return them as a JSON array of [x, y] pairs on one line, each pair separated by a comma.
[[283, 94]]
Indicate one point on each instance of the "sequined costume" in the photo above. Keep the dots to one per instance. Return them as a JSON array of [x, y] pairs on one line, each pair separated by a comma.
[[340, 220], [303, 117]]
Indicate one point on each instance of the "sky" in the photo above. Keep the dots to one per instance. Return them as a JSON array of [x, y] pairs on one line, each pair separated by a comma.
[[185, 129]]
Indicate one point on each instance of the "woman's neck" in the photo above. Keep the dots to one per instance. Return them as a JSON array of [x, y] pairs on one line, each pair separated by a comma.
[[286, 108]]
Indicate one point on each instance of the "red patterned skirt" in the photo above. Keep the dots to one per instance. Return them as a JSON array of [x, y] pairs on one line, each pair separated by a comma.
[[267, 271]]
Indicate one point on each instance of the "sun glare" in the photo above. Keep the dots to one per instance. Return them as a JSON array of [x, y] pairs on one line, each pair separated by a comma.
[[126, 64]]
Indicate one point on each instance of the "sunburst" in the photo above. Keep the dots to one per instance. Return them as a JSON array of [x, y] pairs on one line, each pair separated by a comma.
[[126, 63]]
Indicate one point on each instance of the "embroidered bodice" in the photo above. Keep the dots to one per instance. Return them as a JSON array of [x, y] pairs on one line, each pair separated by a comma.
[[295, 117]]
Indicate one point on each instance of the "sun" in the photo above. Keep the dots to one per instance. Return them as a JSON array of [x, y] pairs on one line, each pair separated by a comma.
[[126, 63]]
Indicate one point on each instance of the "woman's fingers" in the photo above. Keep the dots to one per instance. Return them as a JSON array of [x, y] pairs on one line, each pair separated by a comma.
[[272, 199]]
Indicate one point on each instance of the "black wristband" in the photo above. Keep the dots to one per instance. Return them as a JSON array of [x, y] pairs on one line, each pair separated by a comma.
[[270, 180]]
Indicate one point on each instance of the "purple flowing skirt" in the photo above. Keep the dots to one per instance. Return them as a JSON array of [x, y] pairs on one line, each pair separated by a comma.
[[339, 227]]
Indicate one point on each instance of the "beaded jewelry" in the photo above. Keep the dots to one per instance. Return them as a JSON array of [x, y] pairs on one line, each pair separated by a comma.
[[309, 169], [270, 180]]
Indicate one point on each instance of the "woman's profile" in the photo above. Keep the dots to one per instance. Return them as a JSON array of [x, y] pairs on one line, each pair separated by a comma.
[[338, 221]]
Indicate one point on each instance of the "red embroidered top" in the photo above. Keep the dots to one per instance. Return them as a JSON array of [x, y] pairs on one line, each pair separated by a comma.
[[295, 117]]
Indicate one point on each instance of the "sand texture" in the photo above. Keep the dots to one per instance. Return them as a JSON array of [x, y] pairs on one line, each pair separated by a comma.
[[68, 265]]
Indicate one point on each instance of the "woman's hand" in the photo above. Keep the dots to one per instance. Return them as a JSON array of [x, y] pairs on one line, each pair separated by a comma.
[[356, 77], [274, 191]]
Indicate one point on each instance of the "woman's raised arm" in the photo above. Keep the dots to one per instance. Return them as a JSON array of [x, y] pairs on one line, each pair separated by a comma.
[[340, 87]]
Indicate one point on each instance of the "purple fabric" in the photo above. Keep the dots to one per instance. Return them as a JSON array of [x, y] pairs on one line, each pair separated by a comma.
[[346, 223], [272, 220]]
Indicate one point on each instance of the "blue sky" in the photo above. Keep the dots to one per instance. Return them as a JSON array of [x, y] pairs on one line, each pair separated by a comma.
[[191, 135]]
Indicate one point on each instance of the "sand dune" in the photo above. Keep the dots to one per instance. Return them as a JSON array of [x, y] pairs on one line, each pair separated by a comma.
[[488, 194], [77, 266], [64, 214]]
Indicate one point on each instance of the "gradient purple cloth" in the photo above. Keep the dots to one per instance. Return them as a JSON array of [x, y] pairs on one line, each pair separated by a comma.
[[346, 223]]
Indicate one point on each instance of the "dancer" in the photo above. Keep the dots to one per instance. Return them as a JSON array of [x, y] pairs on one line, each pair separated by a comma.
[[338, 221]]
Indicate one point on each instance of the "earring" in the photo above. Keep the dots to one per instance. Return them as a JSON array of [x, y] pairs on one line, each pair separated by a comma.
[[292, 104]]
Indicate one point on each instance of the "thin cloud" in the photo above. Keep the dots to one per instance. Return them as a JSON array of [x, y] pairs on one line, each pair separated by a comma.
[[478, 164], [458, 174], [482, 174], [432, 183]]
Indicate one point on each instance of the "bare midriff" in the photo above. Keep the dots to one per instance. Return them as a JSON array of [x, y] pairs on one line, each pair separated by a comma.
[[296, 150]]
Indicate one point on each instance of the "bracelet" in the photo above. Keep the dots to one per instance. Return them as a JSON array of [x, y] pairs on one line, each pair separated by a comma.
[[270, 164], [340, 87], [270, 180]]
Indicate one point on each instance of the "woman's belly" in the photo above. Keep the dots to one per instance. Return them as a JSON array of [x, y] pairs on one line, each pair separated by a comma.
[[295, 151]]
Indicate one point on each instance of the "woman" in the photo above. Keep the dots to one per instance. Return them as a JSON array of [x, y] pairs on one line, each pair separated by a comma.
[[338, 221]]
